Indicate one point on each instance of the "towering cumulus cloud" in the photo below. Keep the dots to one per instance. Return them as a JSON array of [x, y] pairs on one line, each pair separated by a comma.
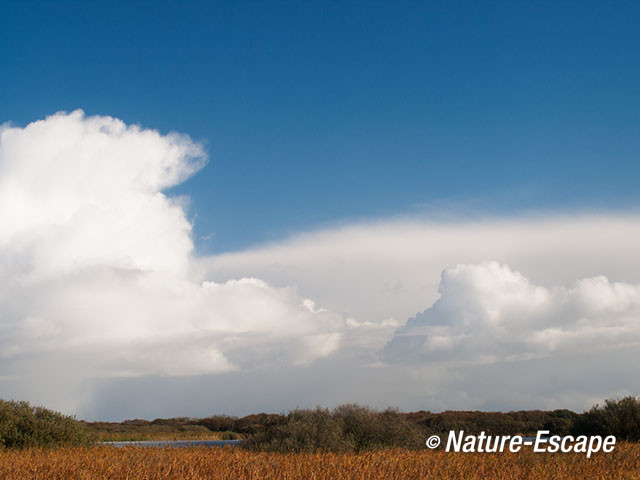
[[96, 267]]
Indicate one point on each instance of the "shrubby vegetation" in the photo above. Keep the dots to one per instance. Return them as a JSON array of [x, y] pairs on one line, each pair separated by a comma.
[[160, 429], [620, 418], [248, 425], [218, 427], [346, 428], [492, 423], [525, 422], [22, 425], [354, 428], [560, 422]]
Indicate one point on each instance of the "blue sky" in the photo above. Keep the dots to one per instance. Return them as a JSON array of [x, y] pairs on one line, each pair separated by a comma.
[[322, 112]]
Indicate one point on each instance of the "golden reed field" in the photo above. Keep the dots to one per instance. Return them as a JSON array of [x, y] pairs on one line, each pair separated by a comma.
[[236, 464]]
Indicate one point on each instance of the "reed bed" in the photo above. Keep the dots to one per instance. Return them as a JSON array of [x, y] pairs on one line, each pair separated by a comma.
[[79, 463]]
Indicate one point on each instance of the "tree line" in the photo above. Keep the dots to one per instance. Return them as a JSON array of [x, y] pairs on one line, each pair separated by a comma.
[[344, 428]]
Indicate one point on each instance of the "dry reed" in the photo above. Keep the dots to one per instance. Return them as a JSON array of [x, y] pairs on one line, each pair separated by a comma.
[[80, 463]]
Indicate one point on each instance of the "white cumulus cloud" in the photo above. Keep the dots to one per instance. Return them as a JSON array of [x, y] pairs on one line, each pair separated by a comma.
[[97, 272], [489, 313]]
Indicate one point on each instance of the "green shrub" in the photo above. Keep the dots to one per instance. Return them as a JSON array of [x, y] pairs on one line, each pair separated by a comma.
[[22, 425], [560, 422], [301, 431], [616, 417], [347, 428], [368, 429]]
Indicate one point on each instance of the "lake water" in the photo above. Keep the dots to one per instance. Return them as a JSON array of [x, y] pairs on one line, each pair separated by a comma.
[[176, 443]]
